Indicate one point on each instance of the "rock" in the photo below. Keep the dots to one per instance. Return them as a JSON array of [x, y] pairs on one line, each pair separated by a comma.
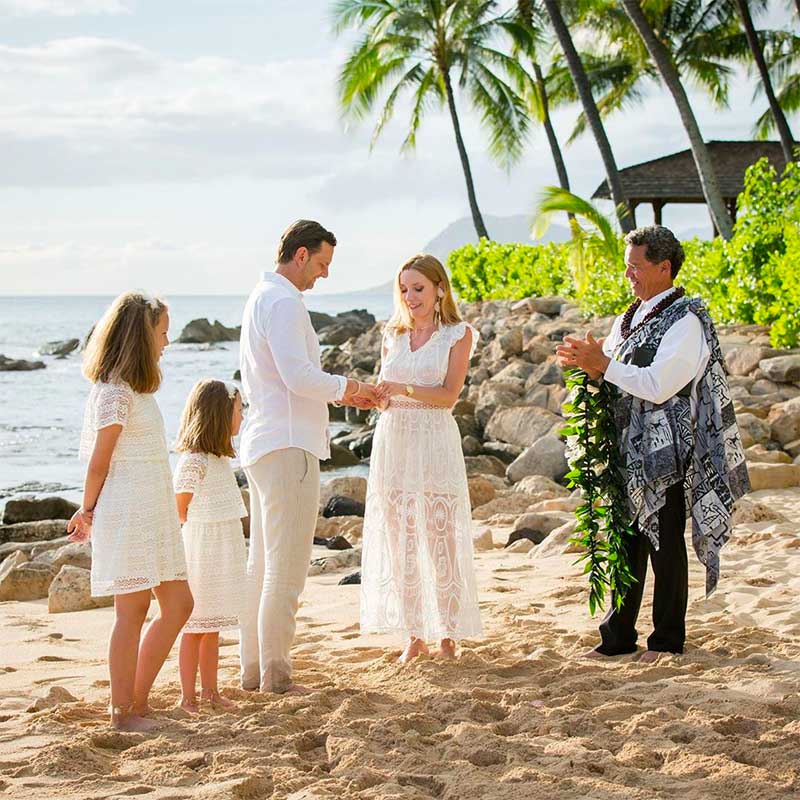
[[541, 486], [752, 429], [71, 591], [31, 549], [502, 450], [482, 540], [480, 491], [39, 531], [507, 344], [353, 579], [320, 320], [773, 476], [464, 408], [352, 486], [28, 581], [59, 348], [784, 420], [347, 558], [359, 443], [19, 364], [350, 528], [494, 396], [516, 370], [339, 333], [56, 695], [759, 453], [566, 504], [521, 545], [74, 554], [550, 306], [545, 374], [793, 448], [743, 360], [484, 465], [781, 369], [522, 425], [545, 457], [765, 387], [31, 509], [339, 506], [471, 446], [237, 375], [558, 541], [14, 560], [746, 510], [467, 426], [340, 457], [201, 331], [530, 535], [509, 503], [241, 477], [538, 348], [540, 522]]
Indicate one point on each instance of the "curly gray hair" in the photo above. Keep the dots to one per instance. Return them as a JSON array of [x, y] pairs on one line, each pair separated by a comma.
[[661, 245]]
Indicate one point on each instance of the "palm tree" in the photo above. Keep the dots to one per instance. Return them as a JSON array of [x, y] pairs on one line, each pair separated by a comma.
[[584, 91], [787, 140], [662, 57], [425, 47]]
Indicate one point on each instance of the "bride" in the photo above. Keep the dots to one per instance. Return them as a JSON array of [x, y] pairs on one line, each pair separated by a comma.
[[417, 576]]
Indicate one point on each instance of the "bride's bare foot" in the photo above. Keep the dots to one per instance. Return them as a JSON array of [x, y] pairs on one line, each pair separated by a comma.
[[414, 648], [447, 649], [216, 700], [190, 705], [123, 719]]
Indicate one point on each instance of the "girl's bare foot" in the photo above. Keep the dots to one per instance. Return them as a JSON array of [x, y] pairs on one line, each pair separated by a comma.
[[124, 720], [447, 649], [217, 701], [414, 648], [190, 705]]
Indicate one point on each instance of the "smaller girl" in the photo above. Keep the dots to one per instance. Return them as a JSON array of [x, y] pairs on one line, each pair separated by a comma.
[[211, 508]]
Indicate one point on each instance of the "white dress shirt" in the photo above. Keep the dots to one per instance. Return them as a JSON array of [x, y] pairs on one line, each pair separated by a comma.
[[681, 358], [282, 380]]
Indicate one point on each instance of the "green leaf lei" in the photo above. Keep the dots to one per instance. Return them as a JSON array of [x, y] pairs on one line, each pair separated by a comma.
[[597, 469]]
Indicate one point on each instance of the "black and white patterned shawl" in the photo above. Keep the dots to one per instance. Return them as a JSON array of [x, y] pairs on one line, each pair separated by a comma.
[[662, 446]]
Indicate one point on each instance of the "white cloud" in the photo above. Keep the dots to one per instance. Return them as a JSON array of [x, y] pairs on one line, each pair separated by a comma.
[[62, 8]]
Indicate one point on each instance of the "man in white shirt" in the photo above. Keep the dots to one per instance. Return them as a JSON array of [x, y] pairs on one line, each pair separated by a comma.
[[664, 357], [283, 440]]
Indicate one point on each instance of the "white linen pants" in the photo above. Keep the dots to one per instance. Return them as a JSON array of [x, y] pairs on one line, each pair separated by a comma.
[[284, 501]]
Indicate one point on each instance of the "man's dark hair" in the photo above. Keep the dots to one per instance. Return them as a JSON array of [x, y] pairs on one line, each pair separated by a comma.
[[661, 244], [303, 233]]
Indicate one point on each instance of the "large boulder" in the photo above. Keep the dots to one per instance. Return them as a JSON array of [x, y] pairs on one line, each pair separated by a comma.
[[784, 420], [339, 333], [27, 581], [502, 450], [522, 425], [39, 531], [32, 549], [320, 320], [330, 527], [484, 465], [59, 348], [773, 476], [753, 429], [543, 487], [480, 491], [342, 560], [550, 305], [30, 509], [558, 541], [352, 486], [201, 331], [14, 560], [745, 359], [537, 525], [781, 369], [340, 457], [19, 364], [492, 396], [545, 457], [71, 590], [74, 554], [343, 507], [508, 503]]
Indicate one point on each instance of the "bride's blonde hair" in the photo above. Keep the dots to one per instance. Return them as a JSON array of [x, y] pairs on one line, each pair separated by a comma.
[[432, 269]]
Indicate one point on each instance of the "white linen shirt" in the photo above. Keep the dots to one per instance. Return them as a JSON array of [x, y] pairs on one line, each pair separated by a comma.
[[282, 380], [681, 358]]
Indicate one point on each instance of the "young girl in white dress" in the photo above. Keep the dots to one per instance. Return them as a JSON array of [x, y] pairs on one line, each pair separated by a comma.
[[211, 508], [417, 576], [128, 505]]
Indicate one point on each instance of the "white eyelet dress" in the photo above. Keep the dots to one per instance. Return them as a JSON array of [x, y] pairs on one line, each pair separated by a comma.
[[136, 535], [216, 556], [417, 575]]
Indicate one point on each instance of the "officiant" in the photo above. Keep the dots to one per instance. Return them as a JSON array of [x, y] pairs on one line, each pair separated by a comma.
[[678, 438]]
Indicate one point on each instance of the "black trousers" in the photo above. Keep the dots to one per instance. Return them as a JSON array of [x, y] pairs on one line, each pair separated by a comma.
[[670, 594]]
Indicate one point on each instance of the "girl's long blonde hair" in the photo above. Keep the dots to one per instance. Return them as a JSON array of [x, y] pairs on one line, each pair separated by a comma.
[[432, 269], [122, 347], [207, 420]]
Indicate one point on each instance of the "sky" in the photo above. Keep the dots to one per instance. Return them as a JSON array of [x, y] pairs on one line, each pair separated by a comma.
[[165, 145]]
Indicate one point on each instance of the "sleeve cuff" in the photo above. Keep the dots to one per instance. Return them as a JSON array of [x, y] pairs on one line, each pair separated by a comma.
[[612, 371], [342, 388]]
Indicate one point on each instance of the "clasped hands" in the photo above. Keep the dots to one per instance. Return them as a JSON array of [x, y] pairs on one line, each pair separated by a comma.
[[368, 395], [586, 354]]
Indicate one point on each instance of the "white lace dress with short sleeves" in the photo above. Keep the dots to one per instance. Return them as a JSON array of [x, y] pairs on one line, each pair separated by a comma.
[[212, 535], [136, 535], [417, 575]]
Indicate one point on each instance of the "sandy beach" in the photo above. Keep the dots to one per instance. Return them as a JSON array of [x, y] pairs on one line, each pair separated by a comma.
[[518, 715]]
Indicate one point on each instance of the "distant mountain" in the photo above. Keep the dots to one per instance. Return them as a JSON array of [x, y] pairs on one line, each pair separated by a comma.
[[501, 229]]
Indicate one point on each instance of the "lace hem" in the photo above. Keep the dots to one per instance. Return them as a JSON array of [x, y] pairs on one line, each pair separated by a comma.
[[130, 585], [210, 624]]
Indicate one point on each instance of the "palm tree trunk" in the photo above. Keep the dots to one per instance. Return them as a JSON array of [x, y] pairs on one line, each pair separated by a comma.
[[552, 139], [581, 82], [702, 159], [477, 219], [787, 141]]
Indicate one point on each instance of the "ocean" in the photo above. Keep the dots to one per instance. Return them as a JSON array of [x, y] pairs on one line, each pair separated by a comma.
[[41, 412]]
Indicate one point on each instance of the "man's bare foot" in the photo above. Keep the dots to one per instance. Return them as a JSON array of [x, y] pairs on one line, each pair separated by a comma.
[[594, 653], [650, 656], [414, 648], [216, 700], [447, 649], [190, 705]]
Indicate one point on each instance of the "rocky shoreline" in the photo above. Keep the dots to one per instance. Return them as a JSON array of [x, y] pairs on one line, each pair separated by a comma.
[[509, 416]]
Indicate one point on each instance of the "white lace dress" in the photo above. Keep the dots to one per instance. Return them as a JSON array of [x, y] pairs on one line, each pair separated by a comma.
[[136, 535], [216, 556], [417, 576]]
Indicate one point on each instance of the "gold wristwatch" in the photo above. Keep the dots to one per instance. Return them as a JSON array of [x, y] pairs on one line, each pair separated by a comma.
[[409, 390]]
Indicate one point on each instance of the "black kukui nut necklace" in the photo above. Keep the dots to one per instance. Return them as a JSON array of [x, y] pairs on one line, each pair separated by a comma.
[[626, 329]]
